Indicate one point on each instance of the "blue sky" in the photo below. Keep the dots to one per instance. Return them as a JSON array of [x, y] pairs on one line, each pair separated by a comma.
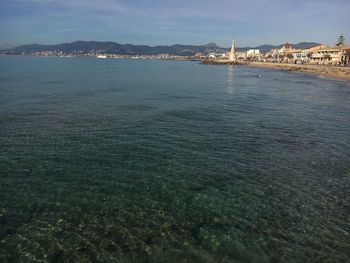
[[163, 22]]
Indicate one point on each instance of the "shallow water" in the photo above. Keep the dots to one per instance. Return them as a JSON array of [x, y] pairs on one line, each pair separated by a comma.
[[168, 161]]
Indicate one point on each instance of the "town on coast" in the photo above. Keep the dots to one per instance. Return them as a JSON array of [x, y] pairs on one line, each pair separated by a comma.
[[337, 55], [332, 61]]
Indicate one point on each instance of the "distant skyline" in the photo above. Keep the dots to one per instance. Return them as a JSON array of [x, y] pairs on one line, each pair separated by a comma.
[[165, 22]]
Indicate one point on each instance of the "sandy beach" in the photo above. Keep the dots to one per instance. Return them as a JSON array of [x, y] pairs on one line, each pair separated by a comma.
[[342, 73]]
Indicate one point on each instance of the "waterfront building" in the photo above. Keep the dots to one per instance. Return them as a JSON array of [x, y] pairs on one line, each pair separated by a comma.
[[326, 55], [253, 54], [297, 54], [345, 55], [300, 55]]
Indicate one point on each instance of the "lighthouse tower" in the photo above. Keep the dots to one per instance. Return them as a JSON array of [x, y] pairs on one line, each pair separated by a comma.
[[233, 52]]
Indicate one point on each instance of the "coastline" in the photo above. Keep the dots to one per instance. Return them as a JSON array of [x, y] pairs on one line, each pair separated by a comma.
[[334, 72], [341, 73]]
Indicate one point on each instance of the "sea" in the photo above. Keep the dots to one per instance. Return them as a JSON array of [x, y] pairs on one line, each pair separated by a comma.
[[125, 160]]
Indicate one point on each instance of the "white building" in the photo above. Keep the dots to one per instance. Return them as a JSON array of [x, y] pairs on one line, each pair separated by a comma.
[[253, 53]]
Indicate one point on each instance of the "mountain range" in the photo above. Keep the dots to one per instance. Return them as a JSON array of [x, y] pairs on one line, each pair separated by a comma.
[[129, 49]]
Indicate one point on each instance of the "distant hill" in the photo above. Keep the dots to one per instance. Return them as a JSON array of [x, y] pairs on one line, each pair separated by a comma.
[[305, 45], [116, 48], [129, 49]]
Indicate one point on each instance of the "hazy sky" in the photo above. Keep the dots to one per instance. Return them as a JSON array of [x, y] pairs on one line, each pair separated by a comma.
[[159, 22]]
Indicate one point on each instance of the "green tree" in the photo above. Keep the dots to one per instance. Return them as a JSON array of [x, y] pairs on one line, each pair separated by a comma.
[[341, 40]]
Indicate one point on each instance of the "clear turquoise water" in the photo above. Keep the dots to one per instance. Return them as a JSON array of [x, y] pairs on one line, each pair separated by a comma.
[[155, 161]]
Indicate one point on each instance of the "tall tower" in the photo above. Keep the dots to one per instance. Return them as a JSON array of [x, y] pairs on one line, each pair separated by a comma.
[[233, 52]]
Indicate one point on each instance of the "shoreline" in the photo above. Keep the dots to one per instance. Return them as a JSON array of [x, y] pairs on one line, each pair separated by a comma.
[[335, 72]]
